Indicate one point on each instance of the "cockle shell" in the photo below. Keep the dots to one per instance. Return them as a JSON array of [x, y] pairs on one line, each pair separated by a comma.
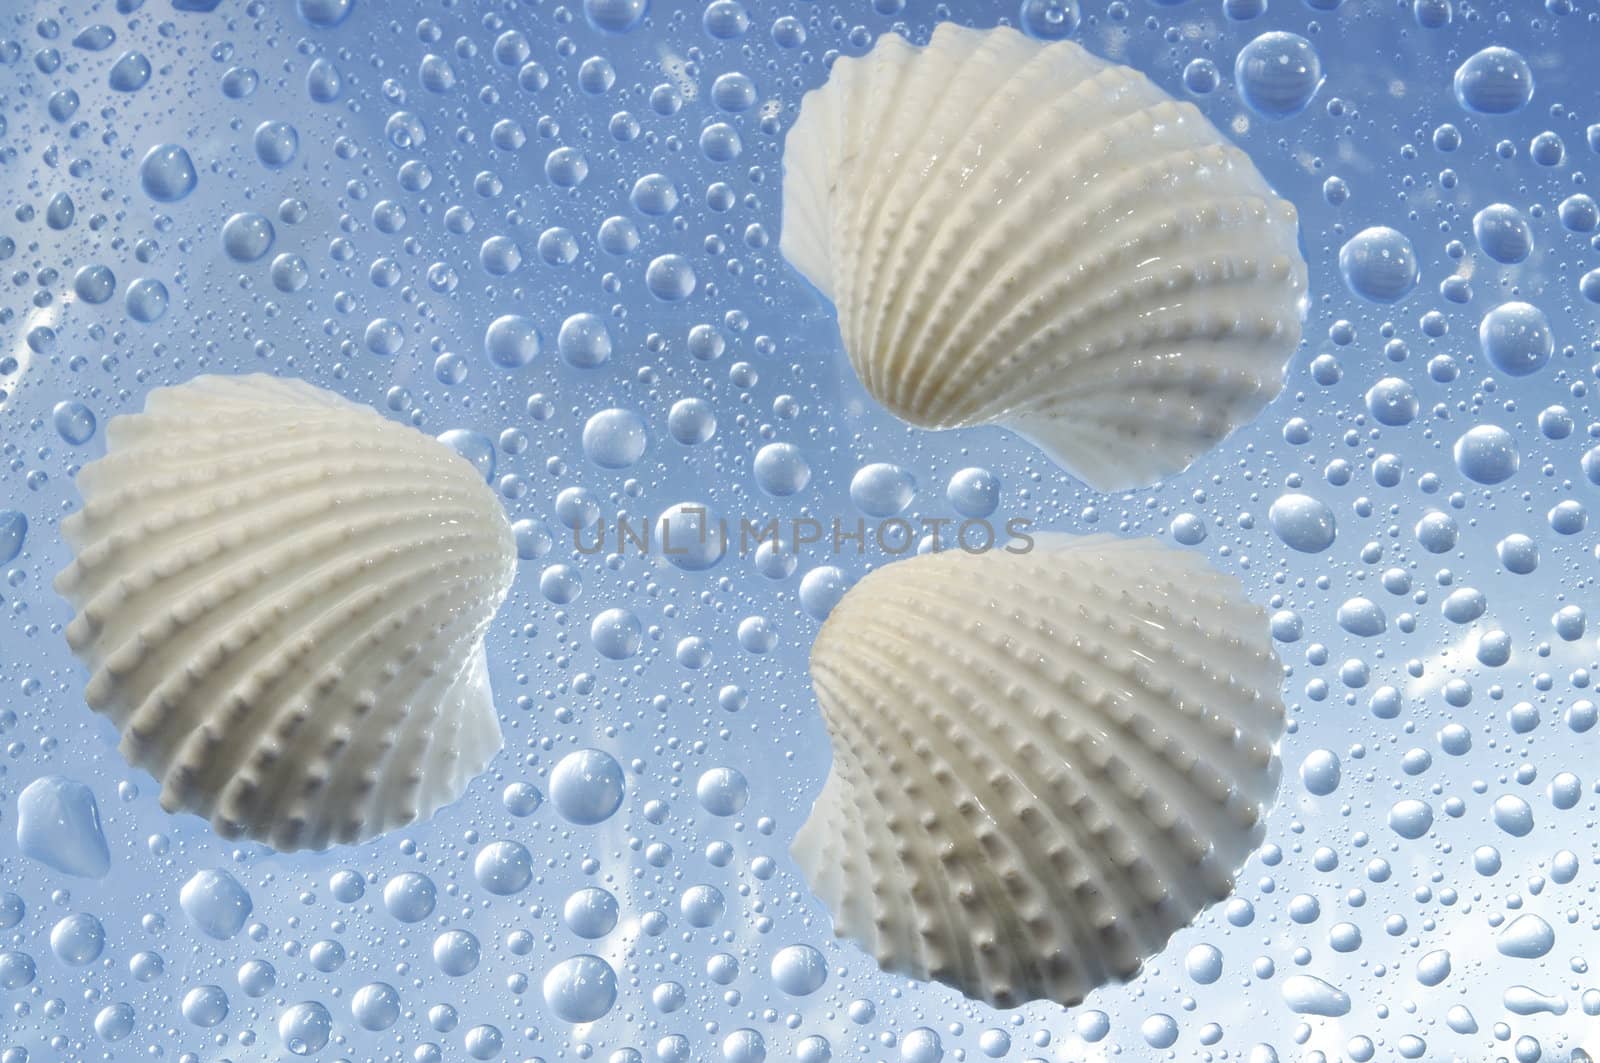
[[1023, 234], [282, 599], [1044, 763]]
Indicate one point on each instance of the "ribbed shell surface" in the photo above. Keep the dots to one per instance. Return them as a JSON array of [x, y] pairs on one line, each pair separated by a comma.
[[1023, 234], [282, 597], [1044, 763]]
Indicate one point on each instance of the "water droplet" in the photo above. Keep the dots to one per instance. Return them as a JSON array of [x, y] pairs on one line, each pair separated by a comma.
[[1527, 937], [409, 896], [375, 1006], [247, 236], [587, 786], [304, 1028], [146, 300], [94, 284], [821, 589], [456, 953], [96, 38], [590, 912], [503, 868], [215, 903], [276, 144], [78, 939], [13, 531], [581, 989], [130, 73], [722, 791], [1278, 73], [1304, 523], [73, 421], [1516, 338], [670, 278], [58, 822], [691, 536], [1503, 233], [1049, 20], [799, 969], [1495, 80], [324, 14], [1410, 818], [1308, 995], [167, 174], [584, 341], [614, 438], [1487, 454], [1434, 967], [1362, 617], [882, 489], [693, 421], [511, 341], [1379, 264], [615, 16], [781, 469], [205, 1005], [974, 492]]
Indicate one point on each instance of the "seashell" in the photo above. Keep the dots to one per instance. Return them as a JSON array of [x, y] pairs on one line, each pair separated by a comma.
[[1022, 234], [282, 599], [1044, 763]]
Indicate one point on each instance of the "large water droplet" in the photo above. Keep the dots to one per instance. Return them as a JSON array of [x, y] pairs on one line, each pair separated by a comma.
[[581, 989], [167, 174], [58, 824], [215, 903]]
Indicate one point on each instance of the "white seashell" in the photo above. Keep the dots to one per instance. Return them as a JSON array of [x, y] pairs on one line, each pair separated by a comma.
[[1044, 763], [1023, 234], [282, 599]]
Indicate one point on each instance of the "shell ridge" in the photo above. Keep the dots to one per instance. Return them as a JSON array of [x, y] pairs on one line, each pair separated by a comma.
[[1096, 291], [1080, 741], [979, 778], [1095, 297], [855, 910], [1016, 723], [412, 781], [934, 282], [212, 476], [920, 946], [462, 630], [283, 655], [270, 582], [980, 76], [978, 253], [1017, 197], [228, 539], [225, 587], [884, 83], [1143, 697]]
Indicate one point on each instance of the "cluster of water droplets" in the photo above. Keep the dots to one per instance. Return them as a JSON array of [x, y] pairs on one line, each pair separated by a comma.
[[546, 233]]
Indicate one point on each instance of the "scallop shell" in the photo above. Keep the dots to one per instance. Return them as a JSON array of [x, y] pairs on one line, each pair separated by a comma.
[[282, 599], [1044, 763], [1022, 234]]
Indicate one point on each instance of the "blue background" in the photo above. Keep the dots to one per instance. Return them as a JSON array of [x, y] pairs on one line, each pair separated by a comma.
[[783, 378]]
